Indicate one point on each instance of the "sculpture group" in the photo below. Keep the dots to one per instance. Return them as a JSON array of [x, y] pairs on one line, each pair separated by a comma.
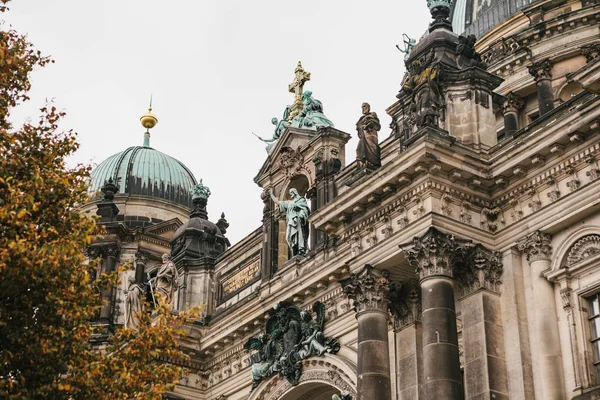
[[162, 290], [290, 336]]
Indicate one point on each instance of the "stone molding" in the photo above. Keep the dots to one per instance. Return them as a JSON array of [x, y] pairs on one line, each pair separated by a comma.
[[405, 303], [541, 70], [536, 246], [584, 248], [435, 253], [481, 269], [512, 103], [368, 289]]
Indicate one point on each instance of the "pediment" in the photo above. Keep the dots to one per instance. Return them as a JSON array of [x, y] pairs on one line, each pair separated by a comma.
[[165, 228]]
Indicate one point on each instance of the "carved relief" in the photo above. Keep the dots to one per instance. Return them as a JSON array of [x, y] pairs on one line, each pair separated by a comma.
[[372, 237], [591, 51], [491, 218], [387, 230], [465, 215], [574, 183], [541, 70], [403, 220], [536, 246], [554, 193], [594, 172], [419, 210], [534, 203], [584, 248], [292, 162], [446, 202], [368, 289], [355, 245], [517, 212]]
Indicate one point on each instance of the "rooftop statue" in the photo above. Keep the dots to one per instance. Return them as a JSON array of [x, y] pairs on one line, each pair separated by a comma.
[[422, 85], [368, 152], [280, 127], [297, 212], [311, 116], [408, 44], [290, 336]]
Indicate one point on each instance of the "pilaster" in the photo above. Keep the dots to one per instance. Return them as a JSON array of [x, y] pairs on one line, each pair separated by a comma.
[[483, 336], [405, 307], [538, 250]]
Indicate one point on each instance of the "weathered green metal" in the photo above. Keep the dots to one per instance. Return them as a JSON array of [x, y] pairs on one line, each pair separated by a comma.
[[438, 3], [145, 171]]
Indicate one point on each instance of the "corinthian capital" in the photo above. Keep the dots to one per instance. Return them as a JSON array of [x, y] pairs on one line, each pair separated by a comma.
[[368, 289], [541, 70], [435, 253], [481, 269], [536, 246], [512, 103], [405, 303]]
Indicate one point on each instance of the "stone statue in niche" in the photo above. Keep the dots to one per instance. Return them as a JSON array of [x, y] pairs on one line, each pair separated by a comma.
[[290, 336], [423, 87], [368, 152], [134, 305], [296, 211], [280, 127], [311, 116], [166, 281]]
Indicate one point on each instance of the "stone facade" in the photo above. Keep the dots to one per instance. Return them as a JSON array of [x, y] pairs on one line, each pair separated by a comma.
[[464, 267]]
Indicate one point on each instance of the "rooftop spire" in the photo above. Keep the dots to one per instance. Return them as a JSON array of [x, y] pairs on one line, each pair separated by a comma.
[[148, 121]]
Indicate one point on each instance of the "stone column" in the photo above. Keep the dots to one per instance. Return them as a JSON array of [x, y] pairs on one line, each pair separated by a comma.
[[369, 289], [542, 74], [109, 263], [405, 307], [483, 334], [538, 250], [140, 266], [510, 110], [434, 255]]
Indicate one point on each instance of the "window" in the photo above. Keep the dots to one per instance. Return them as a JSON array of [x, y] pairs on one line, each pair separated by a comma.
[[594, 318]]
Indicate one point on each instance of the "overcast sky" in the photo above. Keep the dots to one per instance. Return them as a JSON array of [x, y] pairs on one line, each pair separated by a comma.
[[218, 70]]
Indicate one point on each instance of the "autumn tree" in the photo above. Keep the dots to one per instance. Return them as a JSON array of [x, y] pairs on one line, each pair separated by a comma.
[[47, 298]]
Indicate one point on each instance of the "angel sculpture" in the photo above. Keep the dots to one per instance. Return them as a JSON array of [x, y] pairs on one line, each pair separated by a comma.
[[314, 341], [262, 360]]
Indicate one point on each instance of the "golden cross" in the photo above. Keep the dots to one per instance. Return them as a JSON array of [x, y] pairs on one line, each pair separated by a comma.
[[297, 87], [301, 77]]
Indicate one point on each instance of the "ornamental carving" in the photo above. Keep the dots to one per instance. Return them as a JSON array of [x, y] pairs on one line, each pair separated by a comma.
[[290, 336], [512, 103], [405, 303], [536, 246], [584, 248], [435, 253], [480, 269], [591, 51], [291, 161], [541, 70], [368, 289]]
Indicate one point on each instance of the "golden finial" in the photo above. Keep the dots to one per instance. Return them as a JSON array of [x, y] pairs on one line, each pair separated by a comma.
[[148, 121]]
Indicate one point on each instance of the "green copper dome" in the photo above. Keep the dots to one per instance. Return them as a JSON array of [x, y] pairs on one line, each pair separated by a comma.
[[145, 171]]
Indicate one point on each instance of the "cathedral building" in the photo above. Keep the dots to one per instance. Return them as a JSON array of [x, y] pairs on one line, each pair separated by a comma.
[[457, 257]]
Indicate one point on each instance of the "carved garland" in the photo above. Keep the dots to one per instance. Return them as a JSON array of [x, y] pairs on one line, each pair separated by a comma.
[[584, 248]]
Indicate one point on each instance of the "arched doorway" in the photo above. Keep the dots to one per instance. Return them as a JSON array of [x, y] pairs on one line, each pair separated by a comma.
[[312, 391]]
